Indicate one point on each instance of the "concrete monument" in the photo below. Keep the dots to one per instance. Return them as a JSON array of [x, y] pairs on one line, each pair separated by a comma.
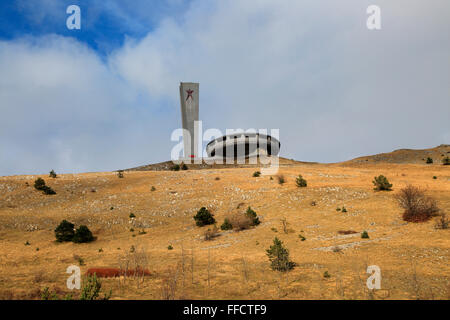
[[189, 100]]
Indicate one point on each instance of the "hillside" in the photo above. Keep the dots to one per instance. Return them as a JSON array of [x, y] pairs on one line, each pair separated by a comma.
[[406, 156], [413, 257]]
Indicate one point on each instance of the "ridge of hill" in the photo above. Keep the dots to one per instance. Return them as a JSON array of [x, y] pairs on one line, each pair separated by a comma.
[[399, 156], [403, 156], [167, 165]]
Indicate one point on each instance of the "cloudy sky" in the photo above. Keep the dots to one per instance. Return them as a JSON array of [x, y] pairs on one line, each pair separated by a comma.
[[106, 97]]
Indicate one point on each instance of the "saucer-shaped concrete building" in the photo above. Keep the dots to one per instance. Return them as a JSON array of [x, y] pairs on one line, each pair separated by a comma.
[[243, 145]]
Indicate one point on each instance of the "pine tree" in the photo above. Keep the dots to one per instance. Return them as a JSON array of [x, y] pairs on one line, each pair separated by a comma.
[[279, 256], [300, 181]]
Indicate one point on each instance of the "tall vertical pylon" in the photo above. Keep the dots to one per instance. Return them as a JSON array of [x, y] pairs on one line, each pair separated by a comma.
[[189, 100]]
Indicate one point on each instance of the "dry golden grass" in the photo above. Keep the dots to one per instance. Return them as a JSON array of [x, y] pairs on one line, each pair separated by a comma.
[[413, 257]]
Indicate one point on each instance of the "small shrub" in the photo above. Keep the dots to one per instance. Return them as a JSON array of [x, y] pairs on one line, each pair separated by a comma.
[[271, 178], [256, 174], [418, 207], [120, 174], [279, 257], [64, 231], [226, 225], [79, 259], [153, 188], [338, 209], [91, 289], [169, 247], [47, 295], [100, 250], [52, 174], [132, 215], [131, 229], [302, 238], [381, 183], [274, 229], [184, 166], [337, 249], [434, 177], [252, 215], [68, 296], [281, 179], [446, 161], [175, 167], [27, 243], [142, 232], [343, 209], [429, 160], [204, 217], [326, 274], [83, 235], [217, 178], [364, 235], [47, 190], [300, 182], [39, 184], [442, 222]]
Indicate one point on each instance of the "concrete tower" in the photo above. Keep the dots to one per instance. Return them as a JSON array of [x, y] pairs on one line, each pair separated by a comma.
[[189, 99]]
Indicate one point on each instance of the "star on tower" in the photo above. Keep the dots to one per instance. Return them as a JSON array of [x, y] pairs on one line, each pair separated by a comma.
[[189, 94]]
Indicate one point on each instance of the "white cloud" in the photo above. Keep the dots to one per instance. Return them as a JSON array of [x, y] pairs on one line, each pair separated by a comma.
[[62, 108], [335, 89]]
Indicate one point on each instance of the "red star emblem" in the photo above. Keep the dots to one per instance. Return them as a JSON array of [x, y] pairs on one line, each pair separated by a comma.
[[189, 94]]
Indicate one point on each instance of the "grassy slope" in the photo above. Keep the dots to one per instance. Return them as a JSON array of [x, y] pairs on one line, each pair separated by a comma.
[[413, 257]]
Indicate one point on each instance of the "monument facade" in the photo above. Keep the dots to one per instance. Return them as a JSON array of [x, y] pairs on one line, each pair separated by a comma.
[[189, 101]]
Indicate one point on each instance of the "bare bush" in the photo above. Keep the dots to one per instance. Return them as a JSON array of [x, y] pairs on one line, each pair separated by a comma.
[[39, 277], [442, 222], [7, 295], [169, 284], [418, 207], [346, 232], [134, 263], [284, 224], [240, 221], [210, 234]]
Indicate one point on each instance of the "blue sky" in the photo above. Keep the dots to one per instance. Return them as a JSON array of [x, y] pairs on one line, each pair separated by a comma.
[[106, 97], [105, 24]]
